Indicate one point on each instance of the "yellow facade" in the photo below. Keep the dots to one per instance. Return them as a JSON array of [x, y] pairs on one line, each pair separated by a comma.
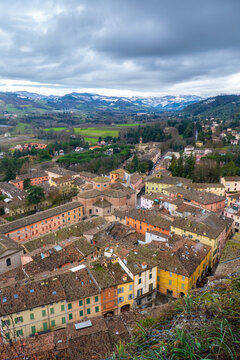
[[83, 308], [125, 295], [153, 187], [179, 285], [29, 322]]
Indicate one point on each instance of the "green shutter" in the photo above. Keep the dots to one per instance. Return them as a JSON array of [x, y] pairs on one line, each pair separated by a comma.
[[19, 332], [51, 311], [80, 303], [96, 298], [70, 316], [63, 320], [88, 311], [53, 323], [88, 301], [62, 307], [31, 316], [43, 313], [69, 306], [97, 309], [45, 326], [81, 312], [33, 329]]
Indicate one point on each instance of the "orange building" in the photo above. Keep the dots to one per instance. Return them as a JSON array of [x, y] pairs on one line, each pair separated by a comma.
[[43, 222], [36, 178], [143, 221]]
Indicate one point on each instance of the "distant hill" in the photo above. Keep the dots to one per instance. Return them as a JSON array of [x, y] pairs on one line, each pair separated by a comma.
[[25, 102], [219, 106]]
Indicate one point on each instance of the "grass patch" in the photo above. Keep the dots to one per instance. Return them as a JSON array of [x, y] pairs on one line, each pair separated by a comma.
[[55, 129], [203, 326], [91, 140], [96, 132], [22, 128]]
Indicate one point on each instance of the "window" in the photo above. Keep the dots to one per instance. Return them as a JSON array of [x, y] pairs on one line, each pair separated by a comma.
[[31, 316], [140, 281], [62, 307], [139, 292], [70, 317], [182, 286], [120, 299], [96, 298], [120, 290], [7, 335], [97, 309], [5, 323], [150, 276], [8, 262], [130, 296], [19, 332], [88, 311], [43, 313], [170, 282], [52, 322], [130, 287], [80, 303], [18, 319], [81, 312], [69, 306], [183, 277], [51, 311], [33, 330], [170, 274], [63, 320], [45, 326], [88, 301], [150, 287], [158, 278]]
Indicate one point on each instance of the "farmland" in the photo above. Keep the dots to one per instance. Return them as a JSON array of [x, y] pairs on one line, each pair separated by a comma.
[[91, 134]]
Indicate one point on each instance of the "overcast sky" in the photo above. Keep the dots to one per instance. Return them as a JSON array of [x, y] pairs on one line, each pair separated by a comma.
[[120, 47]]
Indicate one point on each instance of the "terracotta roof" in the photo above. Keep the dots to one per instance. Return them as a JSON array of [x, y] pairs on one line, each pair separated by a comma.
[[149, 217], [200, 197], [8, 244], [27, 295], [61, 171], [171, 180], [79, 284], [28, 220], [102, 203], [31, 175], [211, 226], [232, 178], [87, 174], [89, 194], [101, 179]]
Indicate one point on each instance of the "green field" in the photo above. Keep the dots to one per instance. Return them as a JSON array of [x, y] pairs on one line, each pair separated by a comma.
[[56, 129], [96, 132], [91, 140], [22, 128]]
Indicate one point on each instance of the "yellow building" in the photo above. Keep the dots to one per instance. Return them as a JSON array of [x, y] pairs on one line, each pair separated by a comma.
[[157, 184], [217, 189], [29, 308], [211, 230], [82, 294], [64, 184], [182, 267], [141, 267]]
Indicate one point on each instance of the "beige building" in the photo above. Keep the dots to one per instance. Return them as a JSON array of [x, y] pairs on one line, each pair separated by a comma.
[[231, 183]]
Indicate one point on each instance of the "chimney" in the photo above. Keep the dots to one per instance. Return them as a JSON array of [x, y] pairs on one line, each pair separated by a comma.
[[144, 265]]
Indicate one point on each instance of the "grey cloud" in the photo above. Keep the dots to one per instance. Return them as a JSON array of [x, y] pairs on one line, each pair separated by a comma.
[[128, 44]]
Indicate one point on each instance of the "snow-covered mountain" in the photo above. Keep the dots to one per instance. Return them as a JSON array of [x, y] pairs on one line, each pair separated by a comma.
[[93, 102]]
